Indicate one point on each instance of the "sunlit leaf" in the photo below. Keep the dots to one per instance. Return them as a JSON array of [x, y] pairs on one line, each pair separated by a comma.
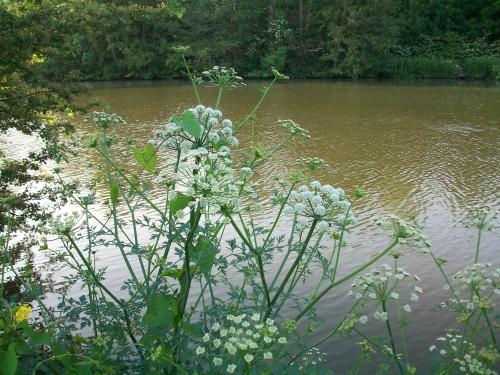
[[179, 202]]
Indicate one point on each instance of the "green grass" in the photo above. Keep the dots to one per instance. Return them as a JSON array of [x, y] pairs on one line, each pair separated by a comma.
[[425, 67], [482, 68]]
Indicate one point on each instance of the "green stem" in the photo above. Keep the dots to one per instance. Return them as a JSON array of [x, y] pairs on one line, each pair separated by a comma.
[[258, 257], [344, 279], [285, 258], [219, 96], [254, 110], [110, 294], [341, 238], [187, 269], [292, 268], [393, 345], [191, 78], [450, 285], [478, 244], [487, 319]]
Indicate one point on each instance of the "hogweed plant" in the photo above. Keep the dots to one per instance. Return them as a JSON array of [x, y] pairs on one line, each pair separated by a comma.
[[184, 228]]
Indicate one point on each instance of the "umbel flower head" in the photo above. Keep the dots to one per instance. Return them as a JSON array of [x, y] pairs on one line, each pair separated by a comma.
[[381, 284], [324, 203], [478, 284], [484, 218], [241, 339], [203, 140], [463, 353], [405, 233], [106, 120], [222, 76], [294, 129]]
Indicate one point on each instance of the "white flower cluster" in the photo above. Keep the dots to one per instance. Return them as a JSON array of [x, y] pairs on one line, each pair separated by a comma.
[[324, 203], [216, 133], [62, 224], [242, 340], [464, 354], [312, 357], [405, 233], [478, 281], [106, 120], [294, 129], [312, 164], [382, 285], [480, 217], [205, 170], [222, 76]]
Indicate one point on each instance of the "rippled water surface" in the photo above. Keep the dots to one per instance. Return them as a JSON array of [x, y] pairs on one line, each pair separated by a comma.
[[417, 149]]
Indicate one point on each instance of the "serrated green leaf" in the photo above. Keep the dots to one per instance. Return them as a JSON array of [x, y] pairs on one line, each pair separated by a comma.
[[161, 312], [191, 124], [179, 202]]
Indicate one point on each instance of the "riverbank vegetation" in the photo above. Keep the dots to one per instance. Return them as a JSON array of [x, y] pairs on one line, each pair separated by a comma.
[[210, 289], [121, 39], [185, 226]]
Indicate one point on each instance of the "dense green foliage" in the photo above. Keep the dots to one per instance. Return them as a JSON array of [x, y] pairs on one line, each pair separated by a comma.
[[30, 105], [122, 39]]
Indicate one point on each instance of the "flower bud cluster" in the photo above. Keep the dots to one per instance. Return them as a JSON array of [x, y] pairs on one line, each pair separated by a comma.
[[324, 203], [62, 224], [294, 129], [222, 76], [484, 218], [478, 283], [405, 233], [106, 120]]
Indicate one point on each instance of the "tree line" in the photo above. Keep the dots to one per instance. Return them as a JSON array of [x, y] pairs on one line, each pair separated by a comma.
[[122, 39]]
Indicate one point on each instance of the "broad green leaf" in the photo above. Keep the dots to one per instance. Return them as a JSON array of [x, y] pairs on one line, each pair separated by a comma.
[[206, 261], [201, 246], [191, 124], [146, 158], [8, 360], [115, 190], [161, 312], [204, 254], [150, 158], [179, 202]]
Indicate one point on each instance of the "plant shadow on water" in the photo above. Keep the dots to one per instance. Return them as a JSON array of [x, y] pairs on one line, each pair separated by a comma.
[[196, 258]]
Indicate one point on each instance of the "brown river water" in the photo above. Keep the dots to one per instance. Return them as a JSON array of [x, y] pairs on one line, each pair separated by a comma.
[[425, 149]]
